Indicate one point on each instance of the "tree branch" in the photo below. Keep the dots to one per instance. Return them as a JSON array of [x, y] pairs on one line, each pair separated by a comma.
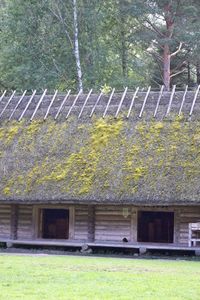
[[178, 50], [155, 29], [179, 66], [175, 74], [60, 18]]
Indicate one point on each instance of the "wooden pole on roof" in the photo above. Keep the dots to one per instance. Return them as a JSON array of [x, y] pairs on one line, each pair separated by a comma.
[[27, 105], [17, 105], [183, 100], [107, 106], [1, 98], [84, 104], [74, 103], [121, 102], [50, 105], [171, 99], [9, 100], [97, 102], [158, 102], [132, 102], [62, 104], [194, 100], [145, 100], [38, 105]]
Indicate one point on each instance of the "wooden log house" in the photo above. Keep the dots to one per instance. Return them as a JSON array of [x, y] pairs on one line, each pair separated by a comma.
[[118, 170]]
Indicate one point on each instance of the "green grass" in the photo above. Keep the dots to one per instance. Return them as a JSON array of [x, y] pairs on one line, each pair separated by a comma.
[[68, 277]]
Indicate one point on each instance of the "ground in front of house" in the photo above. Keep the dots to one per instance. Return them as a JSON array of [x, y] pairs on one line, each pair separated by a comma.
[[40, 277]]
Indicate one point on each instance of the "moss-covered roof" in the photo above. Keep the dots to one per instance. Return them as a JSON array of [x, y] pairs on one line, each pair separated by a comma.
[[133, 161]]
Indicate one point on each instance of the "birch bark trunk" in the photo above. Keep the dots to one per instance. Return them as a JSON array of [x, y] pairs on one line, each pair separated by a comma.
[[76, 47]]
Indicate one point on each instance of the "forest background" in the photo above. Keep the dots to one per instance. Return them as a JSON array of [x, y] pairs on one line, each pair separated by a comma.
[[83, 44]]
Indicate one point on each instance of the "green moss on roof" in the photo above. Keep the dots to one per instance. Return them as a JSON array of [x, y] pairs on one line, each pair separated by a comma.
[[111, 160]]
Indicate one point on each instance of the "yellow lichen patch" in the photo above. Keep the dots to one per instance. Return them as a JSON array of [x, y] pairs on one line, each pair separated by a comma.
[[9, 132], [6, 191], [79, 169]]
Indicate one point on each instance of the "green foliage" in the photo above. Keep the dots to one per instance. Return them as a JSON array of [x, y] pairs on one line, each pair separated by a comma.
[[121, 43]]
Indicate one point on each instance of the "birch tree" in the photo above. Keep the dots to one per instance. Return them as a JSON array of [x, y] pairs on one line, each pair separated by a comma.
[[66, 13]]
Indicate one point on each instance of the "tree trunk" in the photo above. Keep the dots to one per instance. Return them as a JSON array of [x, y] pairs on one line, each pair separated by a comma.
[[123, 40], [169, 19], [76, 47], [166, 67], [198, 72], [188, 74]]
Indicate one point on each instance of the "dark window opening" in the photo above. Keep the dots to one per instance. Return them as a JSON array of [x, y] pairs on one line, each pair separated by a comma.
[[155, 227], [55, 223]]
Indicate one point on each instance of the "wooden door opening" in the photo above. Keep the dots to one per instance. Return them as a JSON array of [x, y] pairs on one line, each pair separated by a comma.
[[55, 223], [155, 227]]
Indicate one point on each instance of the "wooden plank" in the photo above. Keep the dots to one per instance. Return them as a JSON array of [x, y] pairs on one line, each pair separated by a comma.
[[9, 100], [177, 226], [2, 96], [97, 102], [121, 102], [194, 100], [158, 102], [133, 225], [183, 100], [29, 102], [25, 221], [110, 244], [91, 223], [17, 105], [145, 100], [62, 104], [132, 102], [50, 105], [14, 221], [171, 99], [109, 100], [71, 222], [84, 104], [38, 105], [74, 103]]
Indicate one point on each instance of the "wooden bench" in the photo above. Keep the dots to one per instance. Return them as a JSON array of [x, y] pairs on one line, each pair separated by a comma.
[[194, 234]]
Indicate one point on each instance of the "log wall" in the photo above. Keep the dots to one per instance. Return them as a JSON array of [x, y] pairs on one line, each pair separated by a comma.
[[24, 222], [111, 225], [187, 215], [81, 223], [110, 222], [5, 212]]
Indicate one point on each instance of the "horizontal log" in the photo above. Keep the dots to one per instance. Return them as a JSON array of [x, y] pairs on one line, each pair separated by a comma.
[[113, 221], [80, 224], [112, 218], [107, 228], [112, 233]]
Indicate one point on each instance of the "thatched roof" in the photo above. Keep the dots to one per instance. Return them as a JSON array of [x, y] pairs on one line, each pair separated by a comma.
[[114, 159]]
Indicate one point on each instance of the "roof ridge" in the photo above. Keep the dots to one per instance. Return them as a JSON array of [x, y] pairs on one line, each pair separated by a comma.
[[137, 102]]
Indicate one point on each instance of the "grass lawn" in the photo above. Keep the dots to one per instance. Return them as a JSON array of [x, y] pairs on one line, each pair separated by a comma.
[[75, 278]]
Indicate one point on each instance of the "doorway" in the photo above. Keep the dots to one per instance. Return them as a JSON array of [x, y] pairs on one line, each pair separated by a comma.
[[55, 223], [155, 226]]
